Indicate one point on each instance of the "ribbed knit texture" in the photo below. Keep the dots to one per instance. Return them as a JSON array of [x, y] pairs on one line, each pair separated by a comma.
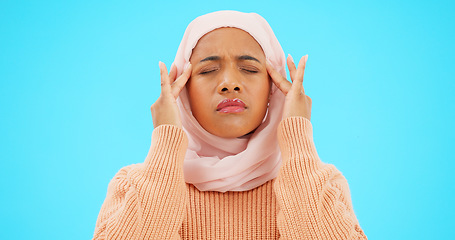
[[231, 215], [308, 200]]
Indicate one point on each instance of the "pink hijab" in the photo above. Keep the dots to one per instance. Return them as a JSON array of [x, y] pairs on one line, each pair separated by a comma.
[[218, 164]]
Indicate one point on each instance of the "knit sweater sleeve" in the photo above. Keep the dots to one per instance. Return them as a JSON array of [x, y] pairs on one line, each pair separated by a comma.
[[148, 200], [313, 197]]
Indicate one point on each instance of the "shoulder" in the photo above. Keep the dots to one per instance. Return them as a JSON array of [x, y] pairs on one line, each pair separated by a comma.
[[127, 170]]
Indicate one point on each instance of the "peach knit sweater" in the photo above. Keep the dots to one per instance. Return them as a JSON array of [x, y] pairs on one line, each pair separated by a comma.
[[308, 199]]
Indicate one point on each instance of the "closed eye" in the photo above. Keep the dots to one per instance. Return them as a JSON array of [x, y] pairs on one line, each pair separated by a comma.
[[207, 71], [250, 70]]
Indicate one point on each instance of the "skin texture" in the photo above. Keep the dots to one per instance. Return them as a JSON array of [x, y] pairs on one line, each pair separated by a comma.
[[165, 109], [297, 103], [223, 68], [230, 77]]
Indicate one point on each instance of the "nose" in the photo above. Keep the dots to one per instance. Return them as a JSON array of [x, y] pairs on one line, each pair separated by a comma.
[[230, 82]]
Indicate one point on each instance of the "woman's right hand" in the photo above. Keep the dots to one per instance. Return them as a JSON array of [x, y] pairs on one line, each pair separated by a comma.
[[165, 110]]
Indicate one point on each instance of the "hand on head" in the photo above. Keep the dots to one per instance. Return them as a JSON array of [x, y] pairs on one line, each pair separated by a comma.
[[297, 102], [165, 109], [225, 101]]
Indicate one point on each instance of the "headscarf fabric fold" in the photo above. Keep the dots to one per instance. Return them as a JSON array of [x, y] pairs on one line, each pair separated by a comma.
[[214, 163]]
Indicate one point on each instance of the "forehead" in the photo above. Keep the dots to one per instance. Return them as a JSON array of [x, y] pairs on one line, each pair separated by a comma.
[[227, 41]]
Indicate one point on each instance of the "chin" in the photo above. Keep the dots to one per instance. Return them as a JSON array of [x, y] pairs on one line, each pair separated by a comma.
[[231, 125], [232, 130], [230, 135]]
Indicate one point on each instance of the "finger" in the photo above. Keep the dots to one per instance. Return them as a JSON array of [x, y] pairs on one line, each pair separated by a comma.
[[165, 85], [301, 70], [173, 73], [291, 67], [282, 83], [298, 82], [181, 81]]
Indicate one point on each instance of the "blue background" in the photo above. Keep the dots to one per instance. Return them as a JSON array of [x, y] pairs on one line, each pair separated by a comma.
[[78, 79]]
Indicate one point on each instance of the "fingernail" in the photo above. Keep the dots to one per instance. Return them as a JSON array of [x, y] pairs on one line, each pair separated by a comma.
[[172, 66], [306, 58], [159, 63], [289, 56]]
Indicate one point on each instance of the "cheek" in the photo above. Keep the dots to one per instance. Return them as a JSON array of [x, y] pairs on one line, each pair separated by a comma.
[[199, 97], [262, 89]]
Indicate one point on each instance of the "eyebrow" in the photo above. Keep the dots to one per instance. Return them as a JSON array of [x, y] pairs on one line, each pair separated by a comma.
[[211, 58], [248, 57], [243, 57]]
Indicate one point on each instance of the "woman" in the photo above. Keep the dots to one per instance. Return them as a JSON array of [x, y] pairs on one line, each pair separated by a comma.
[[232, 154]]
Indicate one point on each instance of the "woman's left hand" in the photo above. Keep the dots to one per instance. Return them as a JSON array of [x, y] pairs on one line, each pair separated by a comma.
[[296, 103]]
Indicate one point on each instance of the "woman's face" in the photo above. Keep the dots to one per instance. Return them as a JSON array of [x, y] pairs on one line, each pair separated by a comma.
[[229, 86]]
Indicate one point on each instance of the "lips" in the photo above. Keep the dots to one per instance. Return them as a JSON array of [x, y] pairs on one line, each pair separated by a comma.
[[231, 106]]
